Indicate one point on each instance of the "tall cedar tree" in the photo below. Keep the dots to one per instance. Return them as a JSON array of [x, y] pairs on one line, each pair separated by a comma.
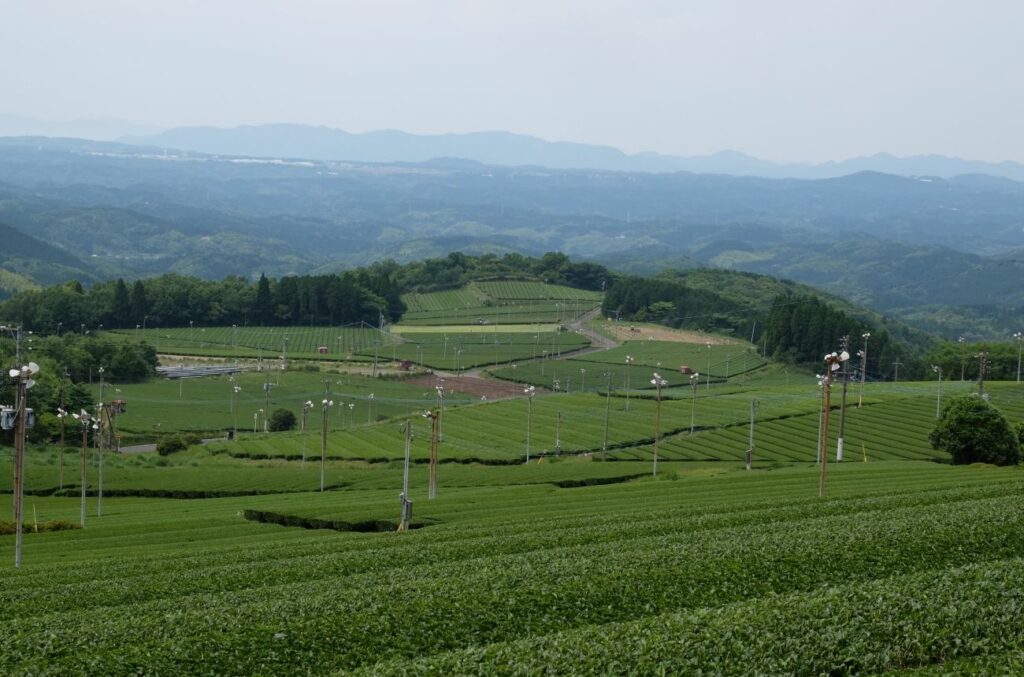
[[263, 307]]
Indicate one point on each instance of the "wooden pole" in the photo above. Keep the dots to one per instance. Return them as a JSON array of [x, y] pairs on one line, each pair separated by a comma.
[[19, 469], [60, 455], [84, 464], [100, 444], [657, 426], [323, 445], [607, 408], [403, 524], [434, 425], [824, 431]]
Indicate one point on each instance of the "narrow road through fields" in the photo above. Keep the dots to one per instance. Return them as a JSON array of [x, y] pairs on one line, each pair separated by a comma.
[[600, 341], [473, 381], [144, 448]]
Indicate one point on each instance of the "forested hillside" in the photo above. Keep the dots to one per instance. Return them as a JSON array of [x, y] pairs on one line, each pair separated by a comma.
[[929, 250], [361, 295]]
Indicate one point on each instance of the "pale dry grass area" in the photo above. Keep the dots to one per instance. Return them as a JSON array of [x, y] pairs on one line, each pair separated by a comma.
[[636, 332]]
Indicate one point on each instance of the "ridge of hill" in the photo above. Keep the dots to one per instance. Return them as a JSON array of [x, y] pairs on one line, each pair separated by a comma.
[[282, 140]]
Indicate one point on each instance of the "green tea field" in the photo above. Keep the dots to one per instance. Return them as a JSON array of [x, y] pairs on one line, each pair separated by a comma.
[[501, 302], [903, 565], [585, 521], [266, 343]]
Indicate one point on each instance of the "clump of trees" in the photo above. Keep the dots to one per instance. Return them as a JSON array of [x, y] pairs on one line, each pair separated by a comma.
[[172, 444], [973, 431], [802, 329], [675, 304], [281, 419], [176, 300]]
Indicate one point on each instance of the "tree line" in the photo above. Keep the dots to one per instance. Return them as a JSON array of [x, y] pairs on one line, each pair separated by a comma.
[[176, 300], [676, 304], [367, 295], [796, 329], [803, 329], [67, 364]]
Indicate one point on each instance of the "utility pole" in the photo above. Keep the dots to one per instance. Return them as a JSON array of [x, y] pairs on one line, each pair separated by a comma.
[[709, 366], [306, 406], [1020, 344], [327, 404], [982, 366], [101, 443], [844, 357], [607, 410], [831, 365], [896, 371], [629, 361], [529, 391], [963, 356], [694, 383], [658, 382], [863, 368], [235, 389], [440, 405], [266, 416], [20, 419], [23, 381], [62, 414], [406, 515], [821, 415], [750, 443], [938, 389], [435, 419], [85, 461], [558, 433]]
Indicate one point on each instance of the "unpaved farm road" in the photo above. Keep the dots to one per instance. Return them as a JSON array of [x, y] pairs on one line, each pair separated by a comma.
[[473, 383]]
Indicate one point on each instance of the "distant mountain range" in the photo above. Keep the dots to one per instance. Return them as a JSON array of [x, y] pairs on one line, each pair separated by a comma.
[[947, 253], [505, 148], [95, 129]]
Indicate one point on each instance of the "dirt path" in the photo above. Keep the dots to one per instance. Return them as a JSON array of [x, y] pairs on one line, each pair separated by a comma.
[[473, 382], [599, 340]]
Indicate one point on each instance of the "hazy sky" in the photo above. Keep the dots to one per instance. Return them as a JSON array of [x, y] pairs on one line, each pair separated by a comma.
[[785, 79]]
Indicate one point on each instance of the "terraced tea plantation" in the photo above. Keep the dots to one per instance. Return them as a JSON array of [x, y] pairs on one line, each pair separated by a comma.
[[632, 364], [268, 343], [211, 404], [500, 302], [466, 350], [706, 569], [554, 545]]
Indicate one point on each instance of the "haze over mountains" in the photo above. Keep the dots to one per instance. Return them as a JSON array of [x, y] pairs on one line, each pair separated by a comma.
[[87, 128], [490, 147], [505, 148], [943, 252]]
